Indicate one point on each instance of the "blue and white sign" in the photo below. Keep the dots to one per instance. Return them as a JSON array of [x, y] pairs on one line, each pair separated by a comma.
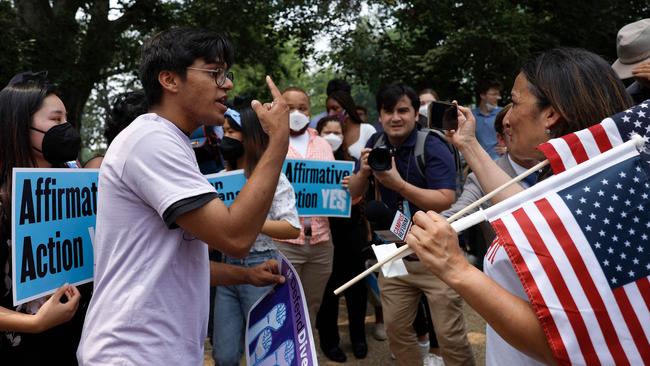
[[228, 184], [53, 225], [278, 330], [318, 186]]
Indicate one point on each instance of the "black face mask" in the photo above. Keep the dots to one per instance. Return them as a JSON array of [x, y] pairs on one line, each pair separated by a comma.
[[61, 143], [231, 149]]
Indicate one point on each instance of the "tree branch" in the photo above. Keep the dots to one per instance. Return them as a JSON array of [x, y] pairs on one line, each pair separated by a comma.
[[132, 14], [62, 8]]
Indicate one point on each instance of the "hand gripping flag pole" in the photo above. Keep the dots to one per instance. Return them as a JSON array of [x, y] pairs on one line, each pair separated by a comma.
[[563, 153], [475, 218], [459, 226]]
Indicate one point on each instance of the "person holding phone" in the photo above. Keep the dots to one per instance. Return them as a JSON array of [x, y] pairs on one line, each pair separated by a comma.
[[553, 95], [404, 187]]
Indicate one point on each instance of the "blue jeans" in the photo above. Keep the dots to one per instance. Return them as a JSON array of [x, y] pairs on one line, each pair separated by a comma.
[[231, 306]]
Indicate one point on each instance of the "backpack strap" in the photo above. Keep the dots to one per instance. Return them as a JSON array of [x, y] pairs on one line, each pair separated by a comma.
[[419, 150], [381, 141]]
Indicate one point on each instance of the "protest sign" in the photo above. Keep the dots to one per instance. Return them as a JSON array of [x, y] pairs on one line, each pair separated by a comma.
[[317, 184], [53, 223], [278, 330], [228, 184], [54, 217]]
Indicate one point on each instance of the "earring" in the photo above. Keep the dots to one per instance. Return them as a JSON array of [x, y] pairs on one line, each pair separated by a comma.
[[547, 131]]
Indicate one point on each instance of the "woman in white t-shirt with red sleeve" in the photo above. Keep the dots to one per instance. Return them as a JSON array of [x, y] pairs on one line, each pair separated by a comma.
[[553, 95]]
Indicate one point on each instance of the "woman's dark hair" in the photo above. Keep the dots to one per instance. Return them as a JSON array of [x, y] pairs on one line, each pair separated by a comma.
[[342, 153], [255, 140], [18, 103], [338, 84], [175, 50], [127, 107], [347, 103], [578, 84]]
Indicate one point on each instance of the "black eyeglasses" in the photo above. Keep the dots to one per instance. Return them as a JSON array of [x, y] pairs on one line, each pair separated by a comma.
[[220, 75]]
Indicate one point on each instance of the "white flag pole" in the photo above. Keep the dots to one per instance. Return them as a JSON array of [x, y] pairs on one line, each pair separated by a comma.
[[618, 152], [459, 226]]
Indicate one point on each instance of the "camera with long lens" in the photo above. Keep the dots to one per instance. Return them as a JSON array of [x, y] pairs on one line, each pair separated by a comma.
[[380, 158]]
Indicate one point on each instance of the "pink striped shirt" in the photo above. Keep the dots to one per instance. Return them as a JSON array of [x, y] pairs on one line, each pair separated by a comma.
[[317, 149]]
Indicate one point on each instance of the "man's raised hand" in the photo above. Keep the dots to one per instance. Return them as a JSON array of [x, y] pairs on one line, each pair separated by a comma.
[[273, 116]]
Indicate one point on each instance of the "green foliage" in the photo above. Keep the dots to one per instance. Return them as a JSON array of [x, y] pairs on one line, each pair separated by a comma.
[[447, 45], [450, 45]]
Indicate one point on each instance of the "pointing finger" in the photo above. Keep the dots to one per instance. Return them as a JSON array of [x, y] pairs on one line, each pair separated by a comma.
[[275, 92]]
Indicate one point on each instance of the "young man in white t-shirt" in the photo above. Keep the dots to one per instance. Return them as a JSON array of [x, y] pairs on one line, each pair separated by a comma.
[[157, 212]]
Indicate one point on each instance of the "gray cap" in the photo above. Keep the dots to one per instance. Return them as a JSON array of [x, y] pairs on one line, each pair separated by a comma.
[[632, 47]]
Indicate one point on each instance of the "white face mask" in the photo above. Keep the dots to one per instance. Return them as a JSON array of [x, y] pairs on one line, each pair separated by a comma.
[[490, 107], [424, 110], [297, 121], [334, 140]]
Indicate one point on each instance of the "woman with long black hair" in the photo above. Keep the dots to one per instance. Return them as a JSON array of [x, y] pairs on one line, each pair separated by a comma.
[[349, 236], [35, 134], [242, 147]]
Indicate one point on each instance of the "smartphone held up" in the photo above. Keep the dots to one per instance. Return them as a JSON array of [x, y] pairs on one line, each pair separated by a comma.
[[443, 115]]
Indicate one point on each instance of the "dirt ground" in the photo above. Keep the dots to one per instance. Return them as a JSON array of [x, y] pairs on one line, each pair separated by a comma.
[[378, 354]]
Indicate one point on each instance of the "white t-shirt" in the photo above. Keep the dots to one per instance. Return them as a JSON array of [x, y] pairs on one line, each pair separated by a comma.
[[150, 302], [365, 131], [282, 208], [300, 143], [498, 267]]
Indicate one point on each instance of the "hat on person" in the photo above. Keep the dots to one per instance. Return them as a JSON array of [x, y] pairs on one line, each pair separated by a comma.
[[632, 47]]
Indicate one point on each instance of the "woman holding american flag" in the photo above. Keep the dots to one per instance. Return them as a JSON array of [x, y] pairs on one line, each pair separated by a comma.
[[559, 92]]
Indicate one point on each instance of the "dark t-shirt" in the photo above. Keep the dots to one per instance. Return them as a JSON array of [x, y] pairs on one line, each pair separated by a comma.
[[439, 172]]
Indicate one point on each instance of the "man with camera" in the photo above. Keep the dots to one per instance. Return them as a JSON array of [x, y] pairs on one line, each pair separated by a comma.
[[404, 184]]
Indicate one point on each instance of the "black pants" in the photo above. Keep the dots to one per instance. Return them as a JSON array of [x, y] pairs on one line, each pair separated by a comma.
[[349, 238]]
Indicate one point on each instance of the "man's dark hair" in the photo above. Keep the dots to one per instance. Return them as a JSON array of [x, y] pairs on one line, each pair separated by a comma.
[[338, 84], [388, 96], [484, 85], [429, 91], [127, 107], [175, 50]]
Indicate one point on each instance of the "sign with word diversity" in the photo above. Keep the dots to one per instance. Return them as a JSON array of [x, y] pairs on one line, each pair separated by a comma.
[[53, 223], [278, 330], [317, 184]]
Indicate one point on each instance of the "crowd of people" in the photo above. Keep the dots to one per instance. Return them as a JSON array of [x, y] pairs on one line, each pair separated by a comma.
[[163, 236]]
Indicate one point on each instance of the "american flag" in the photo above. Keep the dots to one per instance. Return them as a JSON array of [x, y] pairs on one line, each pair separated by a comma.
[[575, 148], [579, 243]]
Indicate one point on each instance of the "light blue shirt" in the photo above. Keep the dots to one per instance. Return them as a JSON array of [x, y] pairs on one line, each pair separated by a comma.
[[485, 132]]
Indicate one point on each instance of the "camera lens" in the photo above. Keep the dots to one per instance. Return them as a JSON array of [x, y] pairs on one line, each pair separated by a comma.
[[379, 159]]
